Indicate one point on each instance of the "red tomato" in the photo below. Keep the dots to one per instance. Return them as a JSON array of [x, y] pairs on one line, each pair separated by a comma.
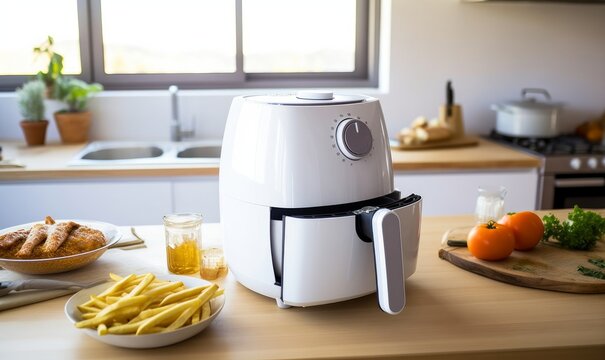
[[491, 241], [527, 226]]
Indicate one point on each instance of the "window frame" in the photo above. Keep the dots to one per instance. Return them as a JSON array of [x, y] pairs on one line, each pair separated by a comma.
[[11, 82], [367, 39]]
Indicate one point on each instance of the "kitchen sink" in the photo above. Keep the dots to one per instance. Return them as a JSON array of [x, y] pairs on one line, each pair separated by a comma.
[[111, 153], [124, 153], [200, 152]]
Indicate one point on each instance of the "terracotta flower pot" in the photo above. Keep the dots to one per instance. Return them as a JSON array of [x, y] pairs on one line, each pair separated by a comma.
[[73, 127], [34, 131]]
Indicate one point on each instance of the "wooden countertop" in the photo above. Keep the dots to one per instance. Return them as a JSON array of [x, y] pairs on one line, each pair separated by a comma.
[[487, 155], [450, 314], [50, 162]]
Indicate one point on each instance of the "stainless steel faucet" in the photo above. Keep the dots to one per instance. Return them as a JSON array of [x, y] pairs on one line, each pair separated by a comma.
[[175, 122]]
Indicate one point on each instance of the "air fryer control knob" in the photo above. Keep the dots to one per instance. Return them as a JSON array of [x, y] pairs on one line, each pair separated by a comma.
[[354, 138], [575, 163]]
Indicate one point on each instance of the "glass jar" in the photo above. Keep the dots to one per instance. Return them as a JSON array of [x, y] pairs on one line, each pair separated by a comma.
[[213, 264], [183, 242], [490, 204]]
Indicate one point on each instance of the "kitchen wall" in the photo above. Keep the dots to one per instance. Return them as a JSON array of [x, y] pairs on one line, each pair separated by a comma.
[[489, 50]]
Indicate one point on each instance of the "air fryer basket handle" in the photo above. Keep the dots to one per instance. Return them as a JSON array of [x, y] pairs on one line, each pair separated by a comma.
[[388, 256]]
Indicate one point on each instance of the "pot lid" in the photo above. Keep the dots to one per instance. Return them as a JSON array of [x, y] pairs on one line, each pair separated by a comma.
[[531, 103], [308, 97]]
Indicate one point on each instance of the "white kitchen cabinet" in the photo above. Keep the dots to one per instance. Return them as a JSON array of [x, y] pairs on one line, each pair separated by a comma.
[[132, 202], [140, 201], [199, 194], [451, 193]]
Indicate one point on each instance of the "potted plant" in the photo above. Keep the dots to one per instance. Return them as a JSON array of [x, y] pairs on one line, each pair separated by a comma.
[[54, 70], [74, 121], [31, 105]]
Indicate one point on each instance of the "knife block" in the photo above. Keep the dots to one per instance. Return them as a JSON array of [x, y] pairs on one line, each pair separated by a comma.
[[454, 121]]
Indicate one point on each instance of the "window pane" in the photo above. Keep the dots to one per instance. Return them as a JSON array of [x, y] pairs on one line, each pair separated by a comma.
[[25, 24], [163, 36], [302, 36]]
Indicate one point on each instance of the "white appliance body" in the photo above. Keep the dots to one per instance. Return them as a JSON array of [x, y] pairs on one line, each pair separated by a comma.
[[291, 175]]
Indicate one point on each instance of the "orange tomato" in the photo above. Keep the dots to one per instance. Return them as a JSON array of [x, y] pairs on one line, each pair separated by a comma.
[[527, 226], [491, 241]]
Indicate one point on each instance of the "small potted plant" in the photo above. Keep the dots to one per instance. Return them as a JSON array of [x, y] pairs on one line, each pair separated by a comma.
[[31, 105], [74, 121], [54, 70]]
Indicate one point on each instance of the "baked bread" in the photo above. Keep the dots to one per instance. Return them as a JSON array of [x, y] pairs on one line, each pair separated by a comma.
[[50, 240]]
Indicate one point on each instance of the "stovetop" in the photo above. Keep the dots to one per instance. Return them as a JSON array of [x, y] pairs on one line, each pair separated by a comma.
[[566, 154], [562, 145]]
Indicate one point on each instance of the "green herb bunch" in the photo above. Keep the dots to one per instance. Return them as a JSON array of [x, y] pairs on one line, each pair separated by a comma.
[[580, 231], [31, 100]]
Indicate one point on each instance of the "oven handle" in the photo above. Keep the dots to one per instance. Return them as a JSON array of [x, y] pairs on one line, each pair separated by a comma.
[[579, 182]]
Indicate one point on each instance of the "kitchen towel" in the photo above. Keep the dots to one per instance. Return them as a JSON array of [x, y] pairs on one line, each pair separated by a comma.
[[27, 297]]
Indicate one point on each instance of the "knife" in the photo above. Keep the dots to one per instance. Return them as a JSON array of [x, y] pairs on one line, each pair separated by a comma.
[[449, 99], [7, 287]]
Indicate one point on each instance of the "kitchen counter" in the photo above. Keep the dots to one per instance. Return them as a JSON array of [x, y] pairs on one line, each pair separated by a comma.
[[50, 162], [450, 314]]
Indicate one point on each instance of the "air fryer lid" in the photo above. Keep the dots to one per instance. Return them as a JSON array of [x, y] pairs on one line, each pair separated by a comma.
[[308, 97]]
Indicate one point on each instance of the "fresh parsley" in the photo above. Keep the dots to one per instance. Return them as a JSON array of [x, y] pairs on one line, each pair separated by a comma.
[[591, 272], [580, 231]]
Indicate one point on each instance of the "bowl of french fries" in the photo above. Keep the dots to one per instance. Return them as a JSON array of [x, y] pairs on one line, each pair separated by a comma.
[[145, 311]]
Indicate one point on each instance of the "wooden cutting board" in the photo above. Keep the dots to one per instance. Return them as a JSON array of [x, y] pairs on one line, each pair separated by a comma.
[[466, 140], [545, 267]]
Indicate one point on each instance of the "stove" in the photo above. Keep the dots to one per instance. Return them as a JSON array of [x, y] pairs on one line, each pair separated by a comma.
[[572, 171]]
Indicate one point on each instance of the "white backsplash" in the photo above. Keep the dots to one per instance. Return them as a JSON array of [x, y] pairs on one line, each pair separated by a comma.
[[490, 52]]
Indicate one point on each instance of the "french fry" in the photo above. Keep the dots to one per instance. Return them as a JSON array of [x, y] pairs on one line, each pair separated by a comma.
[[124, 329], [205, 311], [142, 285], [102, 329], [118, 286], [96, 301], [182, 295], [195, 318], [163, 289], [88, 309]]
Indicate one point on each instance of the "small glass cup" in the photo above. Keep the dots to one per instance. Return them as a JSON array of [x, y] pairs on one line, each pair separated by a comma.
[[213, 264], [490, 204], [183, 242]]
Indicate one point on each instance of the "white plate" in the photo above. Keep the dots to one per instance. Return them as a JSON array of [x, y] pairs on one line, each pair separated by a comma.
[[63, 263], [148, 340]]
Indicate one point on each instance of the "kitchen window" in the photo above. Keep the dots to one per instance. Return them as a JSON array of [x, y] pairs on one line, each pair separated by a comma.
[[147, 44]]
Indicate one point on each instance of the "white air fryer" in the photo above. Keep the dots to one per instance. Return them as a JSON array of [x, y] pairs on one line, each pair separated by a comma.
[[308, 208]]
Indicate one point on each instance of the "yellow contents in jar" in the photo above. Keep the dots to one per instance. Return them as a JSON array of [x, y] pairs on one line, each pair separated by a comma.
[[184, 257]]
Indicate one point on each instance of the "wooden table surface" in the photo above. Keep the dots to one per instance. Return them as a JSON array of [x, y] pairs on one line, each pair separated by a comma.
[[450, 313]]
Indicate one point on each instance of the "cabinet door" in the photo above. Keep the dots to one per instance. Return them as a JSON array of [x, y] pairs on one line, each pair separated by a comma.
[[116, 202], [456, 193], [198, 195]]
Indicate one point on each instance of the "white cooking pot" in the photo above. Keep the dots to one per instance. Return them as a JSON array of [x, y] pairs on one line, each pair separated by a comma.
[[528, 117]]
